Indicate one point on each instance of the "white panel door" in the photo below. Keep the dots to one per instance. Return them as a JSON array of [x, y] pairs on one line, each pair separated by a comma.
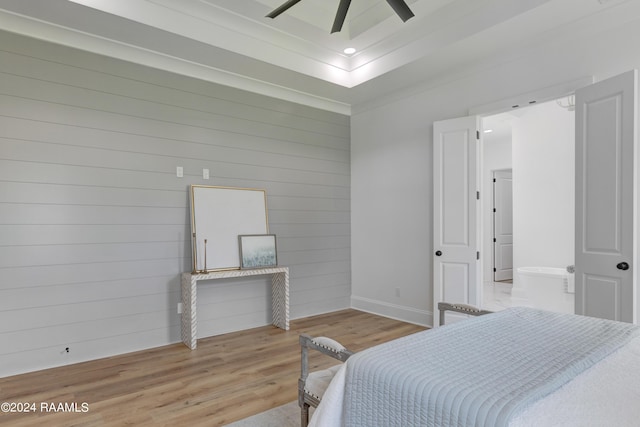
[[456, 269], [502, 225], [605, 190]]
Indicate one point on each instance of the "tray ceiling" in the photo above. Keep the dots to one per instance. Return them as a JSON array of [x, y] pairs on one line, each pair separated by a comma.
[[294, 56]]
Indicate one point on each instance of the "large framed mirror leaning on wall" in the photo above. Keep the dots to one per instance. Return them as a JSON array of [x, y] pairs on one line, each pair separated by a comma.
[[218, 216]]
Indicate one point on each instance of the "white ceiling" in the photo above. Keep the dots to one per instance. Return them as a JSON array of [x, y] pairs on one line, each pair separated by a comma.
[[294, 56]]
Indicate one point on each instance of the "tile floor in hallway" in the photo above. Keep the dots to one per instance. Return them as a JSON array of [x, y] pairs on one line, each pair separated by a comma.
[[497, 296]]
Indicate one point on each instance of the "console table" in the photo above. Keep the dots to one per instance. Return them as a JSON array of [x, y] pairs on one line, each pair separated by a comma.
[[189, 284]]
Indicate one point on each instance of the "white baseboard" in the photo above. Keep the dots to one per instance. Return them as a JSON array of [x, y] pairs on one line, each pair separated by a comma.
[[393, 311]]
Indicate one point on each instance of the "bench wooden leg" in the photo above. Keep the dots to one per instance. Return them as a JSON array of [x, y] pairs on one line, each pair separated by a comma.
[[304, 415]]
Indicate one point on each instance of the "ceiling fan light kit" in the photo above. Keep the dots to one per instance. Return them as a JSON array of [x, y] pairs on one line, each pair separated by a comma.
[[399, 6]]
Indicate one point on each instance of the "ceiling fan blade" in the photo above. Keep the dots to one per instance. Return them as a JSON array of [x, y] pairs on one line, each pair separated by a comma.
[[285, 6], [401, 9], [343, 7]]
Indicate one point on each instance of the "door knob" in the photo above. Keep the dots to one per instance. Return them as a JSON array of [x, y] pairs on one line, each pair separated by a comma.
[[623, 266], [438, 253]]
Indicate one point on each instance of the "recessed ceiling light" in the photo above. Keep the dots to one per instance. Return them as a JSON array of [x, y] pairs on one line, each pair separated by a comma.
[[350, 50], [488, 130]]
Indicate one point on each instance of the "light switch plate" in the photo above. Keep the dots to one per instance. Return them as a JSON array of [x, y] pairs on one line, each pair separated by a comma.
[[179, 172], [205, 173]]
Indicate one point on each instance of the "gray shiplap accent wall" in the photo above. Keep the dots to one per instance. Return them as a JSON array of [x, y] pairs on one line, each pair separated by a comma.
[[94, 223]]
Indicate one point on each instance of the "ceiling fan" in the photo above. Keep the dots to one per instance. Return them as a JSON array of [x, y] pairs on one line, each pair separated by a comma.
[[399, 6]]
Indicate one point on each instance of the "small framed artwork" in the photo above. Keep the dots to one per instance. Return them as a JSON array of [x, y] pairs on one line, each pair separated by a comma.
[[257, 250]]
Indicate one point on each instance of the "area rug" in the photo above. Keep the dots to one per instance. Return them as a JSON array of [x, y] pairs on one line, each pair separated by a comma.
[[283, 416]]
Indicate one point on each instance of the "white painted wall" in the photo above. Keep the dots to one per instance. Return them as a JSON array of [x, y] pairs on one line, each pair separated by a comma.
[[392, 155], [543, 187]]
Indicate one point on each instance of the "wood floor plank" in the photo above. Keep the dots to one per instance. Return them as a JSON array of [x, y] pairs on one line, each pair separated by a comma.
[[227, 378]]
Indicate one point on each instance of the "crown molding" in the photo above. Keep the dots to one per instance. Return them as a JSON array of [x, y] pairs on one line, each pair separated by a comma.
[[30, 27]]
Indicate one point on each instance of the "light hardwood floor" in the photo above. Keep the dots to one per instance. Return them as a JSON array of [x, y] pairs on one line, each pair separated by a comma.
[[227, 378]]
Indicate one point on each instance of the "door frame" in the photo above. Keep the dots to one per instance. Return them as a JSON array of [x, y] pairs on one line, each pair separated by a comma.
[[548, 95], [502, 106]]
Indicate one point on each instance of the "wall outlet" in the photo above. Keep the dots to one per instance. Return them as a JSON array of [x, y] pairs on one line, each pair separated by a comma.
[[205, 173], [179, 171], [179, 308]]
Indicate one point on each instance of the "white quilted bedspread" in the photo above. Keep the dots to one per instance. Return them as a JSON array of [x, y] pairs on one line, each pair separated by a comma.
[[513, 368]]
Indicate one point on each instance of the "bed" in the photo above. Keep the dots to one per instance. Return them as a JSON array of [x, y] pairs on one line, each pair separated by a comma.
[[518, 367]]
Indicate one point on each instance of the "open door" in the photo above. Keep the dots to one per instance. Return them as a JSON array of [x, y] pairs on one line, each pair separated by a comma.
[[502, 225], [456, 269], [605, 198]]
